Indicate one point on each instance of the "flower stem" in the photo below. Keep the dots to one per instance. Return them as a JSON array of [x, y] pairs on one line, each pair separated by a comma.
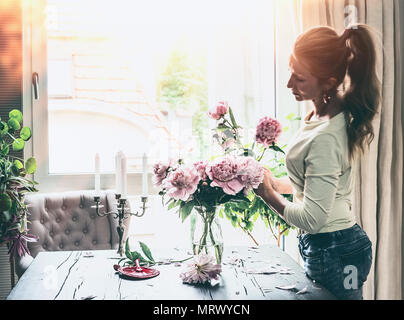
[[216, 246], [272, 231], [262, 155], [249, 234]]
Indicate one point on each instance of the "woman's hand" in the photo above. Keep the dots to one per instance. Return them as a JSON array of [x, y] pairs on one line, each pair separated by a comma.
[[267, 190], [267, 186]]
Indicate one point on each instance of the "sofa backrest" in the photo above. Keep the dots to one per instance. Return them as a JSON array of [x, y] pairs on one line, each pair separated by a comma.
[[66, 221]]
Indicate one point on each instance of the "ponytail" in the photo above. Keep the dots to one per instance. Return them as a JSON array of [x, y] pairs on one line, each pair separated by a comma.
[[362, 97]]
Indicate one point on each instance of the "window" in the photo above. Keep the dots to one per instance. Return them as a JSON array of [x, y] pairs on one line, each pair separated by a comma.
[[139, 76]]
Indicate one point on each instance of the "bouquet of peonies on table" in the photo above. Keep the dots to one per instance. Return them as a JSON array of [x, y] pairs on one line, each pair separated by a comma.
[[226, 178], [229, 178]]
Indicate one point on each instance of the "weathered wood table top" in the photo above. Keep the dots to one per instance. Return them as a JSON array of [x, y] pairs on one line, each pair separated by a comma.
[[79, 275]]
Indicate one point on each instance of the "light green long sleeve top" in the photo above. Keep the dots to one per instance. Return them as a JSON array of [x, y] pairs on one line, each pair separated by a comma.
[[318, 166]]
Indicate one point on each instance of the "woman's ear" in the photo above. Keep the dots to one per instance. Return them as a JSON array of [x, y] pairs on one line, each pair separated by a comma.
[[330, 83]]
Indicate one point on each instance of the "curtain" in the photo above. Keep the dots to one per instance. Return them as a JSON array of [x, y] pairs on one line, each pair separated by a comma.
[[378, 173]]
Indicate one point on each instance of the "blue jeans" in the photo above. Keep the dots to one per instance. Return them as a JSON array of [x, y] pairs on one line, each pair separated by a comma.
[[340, 261]]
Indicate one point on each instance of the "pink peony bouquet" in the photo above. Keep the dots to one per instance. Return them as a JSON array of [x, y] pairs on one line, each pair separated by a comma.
[[227, 180], [206, 183]]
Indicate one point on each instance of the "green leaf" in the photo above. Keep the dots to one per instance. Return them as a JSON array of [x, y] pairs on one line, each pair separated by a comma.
[[228, 133], [174, 204], [13, 209], [127, 250], [290, 116], [5, 202], [18, 164], [222, 127], [233, 120], [3, 128], [5, 150], [14, 124], [243, 205], [15, 171], [276, 148], [5, 216], [18, 144], [186, 209], [146, 251], [25, 133], [23, 224], [30, 165], [137, 255], [15, 114]]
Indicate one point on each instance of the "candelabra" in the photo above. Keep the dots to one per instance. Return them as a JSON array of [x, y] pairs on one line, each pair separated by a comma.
[[121, 215]]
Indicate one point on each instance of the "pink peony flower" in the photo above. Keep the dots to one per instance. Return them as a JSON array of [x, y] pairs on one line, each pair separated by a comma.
[[202, 270], [224, 173], [268, 131], [181, 183], [219, 111], [160, 171], [200, 166], [251, 174]]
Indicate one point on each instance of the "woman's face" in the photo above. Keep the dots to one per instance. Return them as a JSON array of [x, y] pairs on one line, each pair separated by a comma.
[[303, 84]]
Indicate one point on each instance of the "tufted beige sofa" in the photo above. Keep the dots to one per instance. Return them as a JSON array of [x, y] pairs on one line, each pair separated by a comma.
[[65, 221]]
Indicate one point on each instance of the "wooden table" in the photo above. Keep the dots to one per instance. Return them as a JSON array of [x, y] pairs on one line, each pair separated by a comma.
[[76, 275]]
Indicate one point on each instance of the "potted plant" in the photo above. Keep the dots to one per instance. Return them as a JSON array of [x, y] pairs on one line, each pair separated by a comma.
[[14, 184]]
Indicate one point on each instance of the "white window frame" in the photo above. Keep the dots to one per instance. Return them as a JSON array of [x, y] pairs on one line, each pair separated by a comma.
[[36, 114]]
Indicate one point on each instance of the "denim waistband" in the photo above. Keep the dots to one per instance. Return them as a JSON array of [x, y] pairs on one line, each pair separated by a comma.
[[345, 235]]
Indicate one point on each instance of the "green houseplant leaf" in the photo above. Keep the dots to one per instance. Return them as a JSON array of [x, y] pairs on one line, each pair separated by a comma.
[[15, 114], [18, 144], [18, 164], [5, 202], [25, 133], [13, 183], [30, 165], [5, 149], [3, 128], [14, 124]]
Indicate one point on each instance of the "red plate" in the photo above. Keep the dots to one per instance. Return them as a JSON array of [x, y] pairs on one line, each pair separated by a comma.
[[135, 273]]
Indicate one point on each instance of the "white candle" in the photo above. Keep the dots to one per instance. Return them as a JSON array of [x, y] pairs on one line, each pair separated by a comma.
[[97, 175], [123, 176], [118, 173], [145, 187]]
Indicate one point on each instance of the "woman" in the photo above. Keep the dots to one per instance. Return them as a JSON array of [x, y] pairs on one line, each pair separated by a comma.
[[336, 252]]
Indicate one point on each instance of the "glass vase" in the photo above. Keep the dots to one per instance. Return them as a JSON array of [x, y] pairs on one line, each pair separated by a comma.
[[206, 232]]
